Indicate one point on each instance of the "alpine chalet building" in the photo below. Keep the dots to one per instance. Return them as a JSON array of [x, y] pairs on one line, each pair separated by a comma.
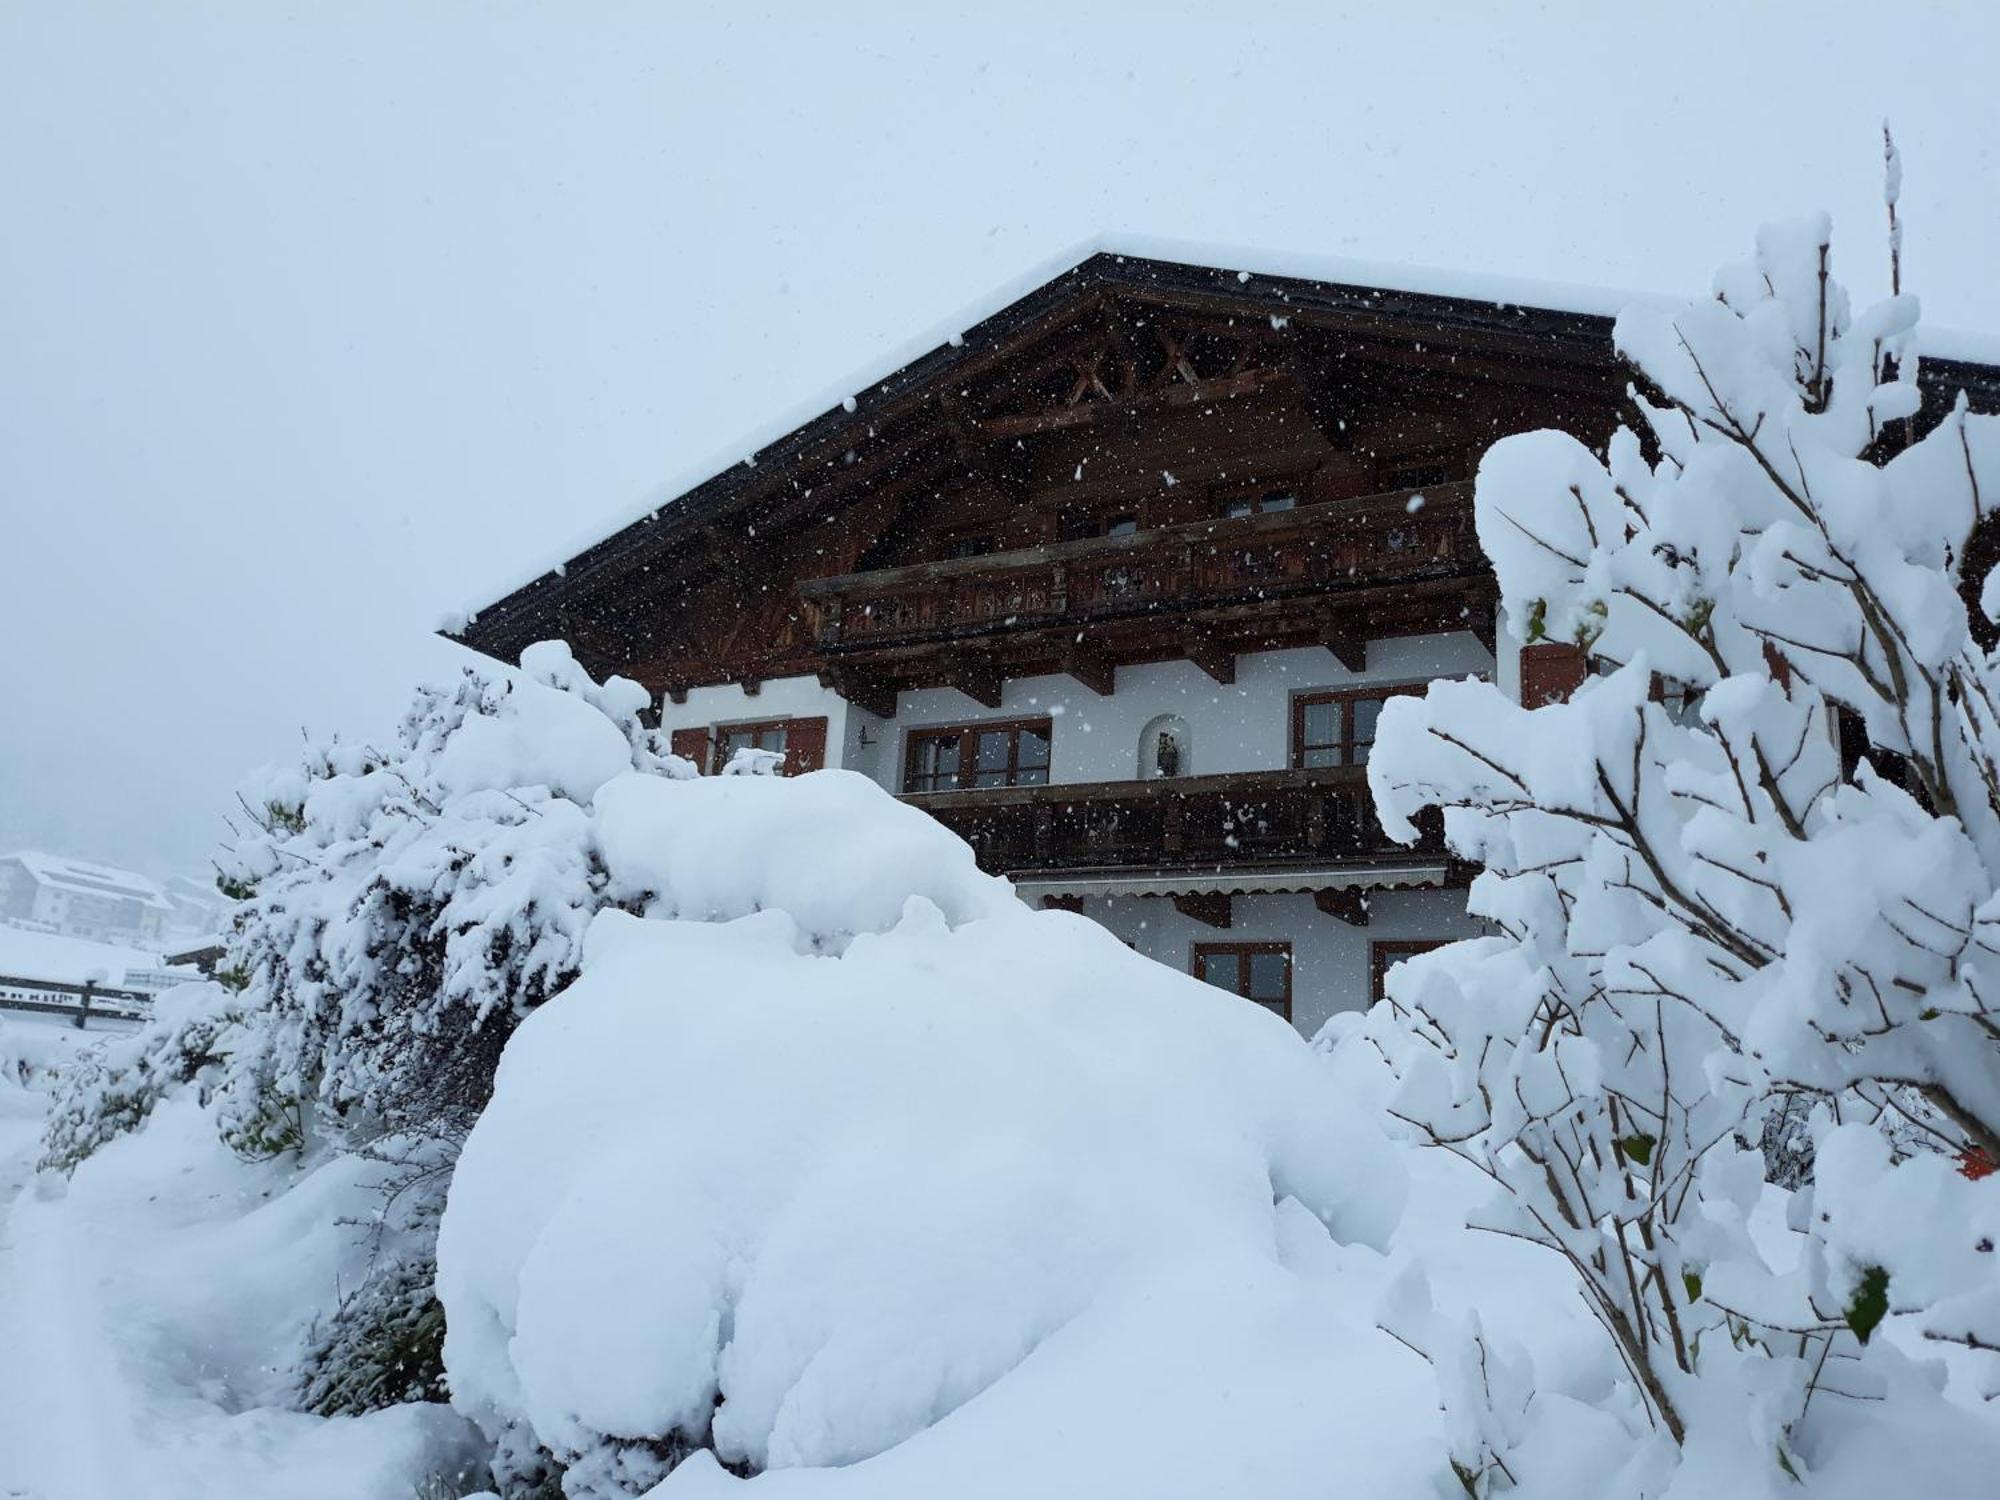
[[1115, 586]]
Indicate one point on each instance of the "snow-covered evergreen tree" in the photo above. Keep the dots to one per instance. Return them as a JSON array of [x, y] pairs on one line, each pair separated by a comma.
[[1704, 912]]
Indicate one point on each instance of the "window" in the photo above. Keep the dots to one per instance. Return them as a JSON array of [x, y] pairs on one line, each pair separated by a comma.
[[802, 743], [1257, 971], [978, 755], [1078, 526], [1415, 476], [1338, 729], [1269, 503], [729, 738], [971, 544], [1386, 954]]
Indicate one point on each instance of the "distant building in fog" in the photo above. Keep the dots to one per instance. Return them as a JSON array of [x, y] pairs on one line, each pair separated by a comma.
[[81, 899]]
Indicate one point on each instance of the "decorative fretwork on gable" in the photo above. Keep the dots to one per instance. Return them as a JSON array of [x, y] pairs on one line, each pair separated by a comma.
[[1128, 358]]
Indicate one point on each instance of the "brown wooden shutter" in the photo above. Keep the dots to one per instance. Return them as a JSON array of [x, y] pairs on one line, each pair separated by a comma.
[[805, 746], [693, 744], [1550, 672], [1780, 669]]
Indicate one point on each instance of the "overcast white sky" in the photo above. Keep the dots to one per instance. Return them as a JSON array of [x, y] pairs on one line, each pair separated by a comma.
[[315, 321]]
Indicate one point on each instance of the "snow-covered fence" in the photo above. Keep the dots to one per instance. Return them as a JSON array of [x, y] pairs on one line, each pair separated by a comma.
[[80, 1002]]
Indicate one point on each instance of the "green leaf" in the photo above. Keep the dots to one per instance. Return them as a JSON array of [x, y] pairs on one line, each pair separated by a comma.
[[1538, 620], [1870, 1304], [1693, 1284], [1638, 1146]]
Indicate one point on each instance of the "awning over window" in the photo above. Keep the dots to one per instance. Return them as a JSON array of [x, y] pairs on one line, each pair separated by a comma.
[[1232, 882]]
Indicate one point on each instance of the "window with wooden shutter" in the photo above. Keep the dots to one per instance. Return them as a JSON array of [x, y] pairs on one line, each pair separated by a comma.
[[805, 746], [1550, 672], [802, 743]]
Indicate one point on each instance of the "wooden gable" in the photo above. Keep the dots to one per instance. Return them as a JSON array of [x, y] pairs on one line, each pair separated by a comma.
[[1125, 394]]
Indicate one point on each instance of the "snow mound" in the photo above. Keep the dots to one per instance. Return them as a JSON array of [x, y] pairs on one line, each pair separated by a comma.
[[828, 848], [734, 1190]]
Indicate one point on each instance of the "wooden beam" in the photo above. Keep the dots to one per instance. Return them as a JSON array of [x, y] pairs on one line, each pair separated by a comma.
[[1350, 905], [980, 681], [1348, 646], [1005, 474], [1211, 907], [1223, 388], [1144, 484], [1209, 653], [1091, 667], [872, 694]]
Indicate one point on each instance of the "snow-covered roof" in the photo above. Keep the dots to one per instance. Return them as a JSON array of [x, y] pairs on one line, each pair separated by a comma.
[[1279, 278], [89, 879], [63, 959]]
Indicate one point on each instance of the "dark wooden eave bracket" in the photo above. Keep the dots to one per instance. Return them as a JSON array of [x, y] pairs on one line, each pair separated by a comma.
[[1211, 907], [1348, 903], [979, 680], [1349, 647], [875, 697], [1214, 658], [1091, 667]]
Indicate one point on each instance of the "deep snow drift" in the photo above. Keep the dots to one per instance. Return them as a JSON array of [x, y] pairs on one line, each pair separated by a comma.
[[821, 1174]]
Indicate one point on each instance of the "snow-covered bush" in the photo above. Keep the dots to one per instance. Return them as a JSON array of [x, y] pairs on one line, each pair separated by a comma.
[[113, 1086], [840, 1134], [401, 910], [1705, 913]]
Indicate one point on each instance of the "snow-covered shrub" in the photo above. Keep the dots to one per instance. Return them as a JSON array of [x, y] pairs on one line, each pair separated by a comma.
[[1704, 912], [404, 909], [401, 910], [840, 1134], [113, 1086]]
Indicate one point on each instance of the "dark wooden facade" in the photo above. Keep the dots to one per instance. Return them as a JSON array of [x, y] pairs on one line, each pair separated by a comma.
[[1308, 819], [1074, 460], [1139, 461]]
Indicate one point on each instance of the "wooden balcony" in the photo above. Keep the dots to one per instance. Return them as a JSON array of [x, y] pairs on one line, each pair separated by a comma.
[[1265, 822], [1379, 565]]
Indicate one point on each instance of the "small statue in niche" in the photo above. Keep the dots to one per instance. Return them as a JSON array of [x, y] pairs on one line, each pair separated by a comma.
[[1167, 754]]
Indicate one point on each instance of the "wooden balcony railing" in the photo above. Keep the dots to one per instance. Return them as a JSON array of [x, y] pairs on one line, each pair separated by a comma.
[[1254, 819], [1319, 549]]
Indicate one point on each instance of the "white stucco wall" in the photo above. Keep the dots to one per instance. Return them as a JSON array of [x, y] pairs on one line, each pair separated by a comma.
[[1243, 727], [1331, 970]]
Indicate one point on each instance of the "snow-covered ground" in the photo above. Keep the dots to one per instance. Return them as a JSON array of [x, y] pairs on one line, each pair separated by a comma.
[[830, 1163], [146, 1304]]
